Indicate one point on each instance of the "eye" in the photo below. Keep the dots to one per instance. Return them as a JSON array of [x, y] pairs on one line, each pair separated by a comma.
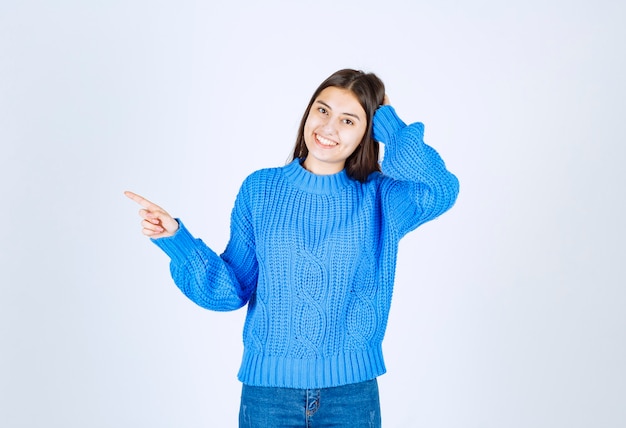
[[322, 110], [348, 122]]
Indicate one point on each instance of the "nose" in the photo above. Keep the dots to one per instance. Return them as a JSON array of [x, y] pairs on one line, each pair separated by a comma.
[[329, 127]]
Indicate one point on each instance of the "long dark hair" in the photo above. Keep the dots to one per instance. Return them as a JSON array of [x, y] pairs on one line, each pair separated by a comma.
[[370, 91]]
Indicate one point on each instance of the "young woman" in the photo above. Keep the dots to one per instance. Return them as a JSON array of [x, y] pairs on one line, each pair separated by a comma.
[[312, 252]]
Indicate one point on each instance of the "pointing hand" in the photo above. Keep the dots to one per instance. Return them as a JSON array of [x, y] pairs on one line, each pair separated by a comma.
[[157, 223]]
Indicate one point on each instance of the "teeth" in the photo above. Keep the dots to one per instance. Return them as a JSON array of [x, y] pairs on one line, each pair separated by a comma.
[[325, 141]]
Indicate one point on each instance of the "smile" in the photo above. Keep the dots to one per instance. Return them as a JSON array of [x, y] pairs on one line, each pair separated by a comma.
[[325, 141]]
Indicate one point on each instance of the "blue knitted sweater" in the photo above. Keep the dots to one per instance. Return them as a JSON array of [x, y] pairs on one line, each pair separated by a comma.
[[314, 258]]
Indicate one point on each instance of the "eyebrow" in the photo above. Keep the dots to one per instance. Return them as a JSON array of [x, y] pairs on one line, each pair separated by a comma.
[[347, 114]]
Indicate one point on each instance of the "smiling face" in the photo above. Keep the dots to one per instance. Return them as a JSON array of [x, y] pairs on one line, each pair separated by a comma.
[[334, 128]]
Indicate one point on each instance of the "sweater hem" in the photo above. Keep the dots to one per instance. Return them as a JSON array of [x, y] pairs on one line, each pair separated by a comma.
[[319, 372]]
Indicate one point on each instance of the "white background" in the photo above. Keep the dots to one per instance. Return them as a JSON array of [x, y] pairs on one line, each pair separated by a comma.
[[508, 310]]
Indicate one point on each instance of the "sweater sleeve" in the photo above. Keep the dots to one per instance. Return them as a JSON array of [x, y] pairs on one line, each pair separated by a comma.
[[421, 188], [218, 282]]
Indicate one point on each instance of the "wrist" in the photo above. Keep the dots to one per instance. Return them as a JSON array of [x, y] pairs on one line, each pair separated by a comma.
[[386, 123]]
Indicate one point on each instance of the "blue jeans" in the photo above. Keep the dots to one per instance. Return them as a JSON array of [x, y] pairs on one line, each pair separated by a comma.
[[355, 405]]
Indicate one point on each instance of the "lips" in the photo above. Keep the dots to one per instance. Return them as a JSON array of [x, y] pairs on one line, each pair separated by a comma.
[[325, 141]]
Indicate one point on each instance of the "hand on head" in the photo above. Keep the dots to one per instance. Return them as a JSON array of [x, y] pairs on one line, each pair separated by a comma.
[[156, 223]]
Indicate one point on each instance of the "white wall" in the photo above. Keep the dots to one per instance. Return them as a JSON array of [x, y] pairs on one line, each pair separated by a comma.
[[509, 308]]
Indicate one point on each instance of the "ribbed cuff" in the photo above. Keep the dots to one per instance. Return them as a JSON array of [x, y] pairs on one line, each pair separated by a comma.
[[179, 245], [386, 123]]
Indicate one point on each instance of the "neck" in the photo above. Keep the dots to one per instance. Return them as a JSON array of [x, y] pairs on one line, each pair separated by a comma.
[[320, 168]]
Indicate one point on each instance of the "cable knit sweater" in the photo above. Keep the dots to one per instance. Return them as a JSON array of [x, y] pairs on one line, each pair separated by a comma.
[[314, 258]]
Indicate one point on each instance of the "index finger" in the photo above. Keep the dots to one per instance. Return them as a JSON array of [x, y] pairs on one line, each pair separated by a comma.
[[141, 200]]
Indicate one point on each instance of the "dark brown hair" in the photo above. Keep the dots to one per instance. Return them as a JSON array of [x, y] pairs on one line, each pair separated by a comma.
[[370, 91]]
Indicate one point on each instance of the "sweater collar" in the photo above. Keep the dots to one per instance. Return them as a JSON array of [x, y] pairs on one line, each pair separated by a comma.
[[297, 175]]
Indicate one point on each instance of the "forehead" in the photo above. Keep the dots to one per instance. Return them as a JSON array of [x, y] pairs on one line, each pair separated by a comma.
[[340, 99]]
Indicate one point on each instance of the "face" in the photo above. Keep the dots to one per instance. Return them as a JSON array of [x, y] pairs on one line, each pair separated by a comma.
[[333, 130]]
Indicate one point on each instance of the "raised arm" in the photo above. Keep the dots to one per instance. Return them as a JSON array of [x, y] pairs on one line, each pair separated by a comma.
[[422, 188], [214, 282]]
